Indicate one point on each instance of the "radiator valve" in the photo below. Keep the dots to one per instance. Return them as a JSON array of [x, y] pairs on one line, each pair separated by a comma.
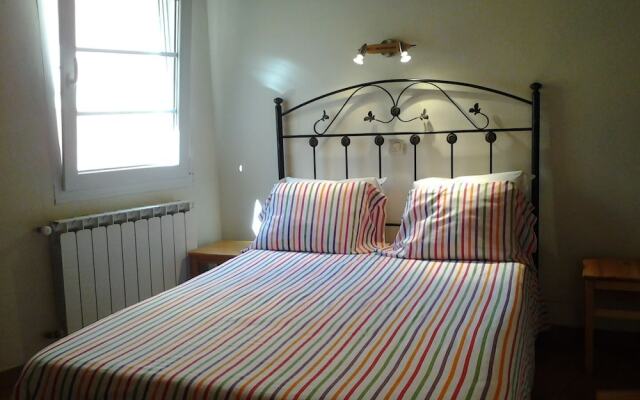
[[46, 230]]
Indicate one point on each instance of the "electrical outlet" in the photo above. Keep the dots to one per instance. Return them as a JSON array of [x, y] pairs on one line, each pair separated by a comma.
[[397, 146]]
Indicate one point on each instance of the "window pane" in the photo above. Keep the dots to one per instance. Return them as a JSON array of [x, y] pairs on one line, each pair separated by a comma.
[[124, 82], [142, 25], [127, 140]]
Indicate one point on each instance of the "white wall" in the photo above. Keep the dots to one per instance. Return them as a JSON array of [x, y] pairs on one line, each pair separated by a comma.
[[586, 53], [26, 179]]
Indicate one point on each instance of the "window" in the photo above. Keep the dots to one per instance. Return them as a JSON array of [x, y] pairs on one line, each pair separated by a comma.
[[119, 88]]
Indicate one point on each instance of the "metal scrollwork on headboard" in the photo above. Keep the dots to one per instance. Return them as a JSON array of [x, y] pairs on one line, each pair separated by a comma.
[[325, 117], [395, 110], [474, 116]]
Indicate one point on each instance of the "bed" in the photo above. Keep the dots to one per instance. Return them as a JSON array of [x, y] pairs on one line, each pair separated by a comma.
[[274, 324], [299, 325]]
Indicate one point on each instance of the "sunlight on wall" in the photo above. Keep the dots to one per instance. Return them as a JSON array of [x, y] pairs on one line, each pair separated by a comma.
[[256, 223], [276, 74], [48, 17]]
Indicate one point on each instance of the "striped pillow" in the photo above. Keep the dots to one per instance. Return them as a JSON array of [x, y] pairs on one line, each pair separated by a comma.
[[323, 217], [467, 221]]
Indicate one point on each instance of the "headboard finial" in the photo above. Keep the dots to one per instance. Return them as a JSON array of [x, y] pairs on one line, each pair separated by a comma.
[[278, 100], [536, 86]]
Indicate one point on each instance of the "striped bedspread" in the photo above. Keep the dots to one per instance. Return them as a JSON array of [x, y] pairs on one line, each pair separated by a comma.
[[284, 325]]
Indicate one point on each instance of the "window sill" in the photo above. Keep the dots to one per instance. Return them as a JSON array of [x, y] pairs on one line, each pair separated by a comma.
[[68, 196]]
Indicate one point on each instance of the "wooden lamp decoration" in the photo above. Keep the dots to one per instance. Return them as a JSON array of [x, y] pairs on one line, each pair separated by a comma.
[[388, 48]]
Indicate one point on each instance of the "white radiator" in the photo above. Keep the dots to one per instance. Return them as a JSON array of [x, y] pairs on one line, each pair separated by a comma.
[[110, 261]]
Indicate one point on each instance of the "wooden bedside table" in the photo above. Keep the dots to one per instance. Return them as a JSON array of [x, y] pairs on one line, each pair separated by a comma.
[[606, 274], [215, 253]]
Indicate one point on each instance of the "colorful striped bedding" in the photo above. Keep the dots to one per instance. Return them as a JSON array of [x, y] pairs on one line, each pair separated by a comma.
[[285, 325], [345, 217], [490, 221]]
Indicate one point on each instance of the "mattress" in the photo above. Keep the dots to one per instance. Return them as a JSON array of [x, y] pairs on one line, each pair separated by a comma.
[[284, 325]]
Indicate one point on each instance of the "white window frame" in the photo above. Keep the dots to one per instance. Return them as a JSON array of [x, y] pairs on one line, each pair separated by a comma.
[[75, 185]]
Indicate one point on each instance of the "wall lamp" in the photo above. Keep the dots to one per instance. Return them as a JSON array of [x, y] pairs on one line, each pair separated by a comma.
[[388, 48]]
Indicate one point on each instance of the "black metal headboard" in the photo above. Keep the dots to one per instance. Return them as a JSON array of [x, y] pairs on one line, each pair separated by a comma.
[[322, 125]]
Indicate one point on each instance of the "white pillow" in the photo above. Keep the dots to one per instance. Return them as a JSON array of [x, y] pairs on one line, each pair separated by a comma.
[[519, 178], [377, 182]]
